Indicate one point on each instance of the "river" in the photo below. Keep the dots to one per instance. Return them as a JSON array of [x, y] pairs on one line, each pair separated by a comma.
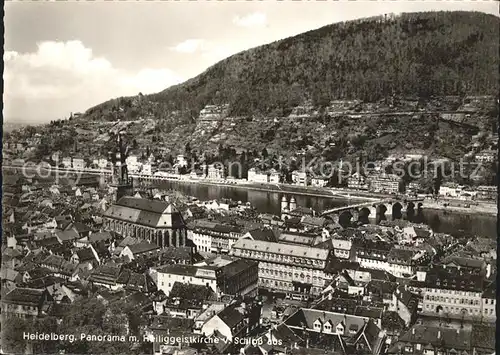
[[457, 224]]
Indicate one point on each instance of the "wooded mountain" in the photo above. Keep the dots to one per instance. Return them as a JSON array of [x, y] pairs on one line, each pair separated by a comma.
[[415, 54], [397, 72], [412, 54]]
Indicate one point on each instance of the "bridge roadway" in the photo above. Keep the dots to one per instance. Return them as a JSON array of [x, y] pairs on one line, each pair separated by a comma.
[[369, 204]]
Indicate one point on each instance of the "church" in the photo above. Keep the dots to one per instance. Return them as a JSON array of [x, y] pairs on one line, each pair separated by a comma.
[[158, 222]]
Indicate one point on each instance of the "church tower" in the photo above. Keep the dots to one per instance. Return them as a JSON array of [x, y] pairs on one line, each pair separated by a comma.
[[284, 204], [120, 181]]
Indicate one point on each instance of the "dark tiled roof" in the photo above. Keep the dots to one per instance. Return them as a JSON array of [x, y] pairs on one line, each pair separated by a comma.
[[437, 337], [68, 235], [142, 247], [145, 212], [483, 337], [24, 296], [105, 274], [264, 234], [98, 236], [85, 254], [235, 267], [155, 206], [443, 279], [191, 292], [231, 315], [80, 228]]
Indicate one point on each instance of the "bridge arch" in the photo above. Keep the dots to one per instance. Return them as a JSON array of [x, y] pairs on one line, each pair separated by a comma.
[[381, 210], [364, 215], [345, 218], [397, 210]]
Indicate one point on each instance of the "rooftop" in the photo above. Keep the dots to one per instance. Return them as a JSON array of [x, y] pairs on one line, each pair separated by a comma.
[[281, 249]]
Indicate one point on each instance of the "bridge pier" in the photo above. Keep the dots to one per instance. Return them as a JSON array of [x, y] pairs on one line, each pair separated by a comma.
[[373, 212], [388, 211], [355, 215]]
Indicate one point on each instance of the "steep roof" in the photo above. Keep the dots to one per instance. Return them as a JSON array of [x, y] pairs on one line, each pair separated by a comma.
[[235, 267], [263, 234], [142, 247], [231, 315], [307, 317], [145, 212], [281, 249], [437, 337], [24, 296], [85, 254]]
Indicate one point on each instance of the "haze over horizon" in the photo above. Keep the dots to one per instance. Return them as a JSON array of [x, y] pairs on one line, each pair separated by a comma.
[[59, 64]]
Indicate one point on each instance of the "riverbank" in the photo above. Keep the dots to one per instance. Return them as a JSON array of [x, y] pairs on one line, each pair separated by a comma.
[[283, 188], [489, 209], [341, 194], [486, 209]]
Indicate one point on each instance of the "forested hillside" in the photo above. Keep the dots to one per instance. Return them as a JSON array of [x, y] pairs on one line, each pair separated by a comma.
[[418, 81], [415, 54]]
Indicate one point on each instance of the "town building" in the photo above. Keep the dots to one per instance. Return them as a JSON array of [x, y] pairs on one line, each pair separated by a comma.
[[400, 262], [342, 248], [25, 302], [139, 250], [288, 268], [133, 164], [274, 176], [79, 163], [349, 333], [487, 193], [300, 178], [239, 277], [452, 293], [384, 183], [215, 172], [436, 340], [489, 302], [236, 320], [213, 237], [319, 182], [155, 221], [451, 190], [372, 255], [257, 176], [357, 182], [67, 162], [487, 156]]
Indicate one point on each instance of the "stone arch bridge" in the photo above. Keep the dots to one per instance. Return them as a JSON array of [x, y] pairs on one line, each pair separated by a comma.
[[393, 208]]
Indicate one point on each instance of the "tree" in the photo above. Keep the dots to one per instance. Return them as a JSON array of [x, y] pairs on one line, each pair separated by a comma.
[[13, 341]]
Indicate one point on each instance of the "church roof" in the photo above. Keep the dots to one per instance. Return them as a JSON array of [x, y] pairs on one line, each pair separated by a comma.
[[151, 213]]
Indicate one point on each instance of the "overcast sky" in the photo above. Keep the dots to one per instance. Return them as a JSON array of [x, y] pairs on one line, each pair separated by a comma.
[[68, 56]]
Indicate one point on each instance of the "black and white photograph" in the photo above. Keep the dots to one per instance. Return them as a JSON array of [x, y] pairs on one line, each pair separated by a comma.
[[250, 177]]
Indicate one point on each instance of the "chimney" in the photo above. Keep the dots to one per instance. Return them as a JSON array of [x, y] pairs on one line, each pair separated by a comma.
[[413, 330], [439, 334]]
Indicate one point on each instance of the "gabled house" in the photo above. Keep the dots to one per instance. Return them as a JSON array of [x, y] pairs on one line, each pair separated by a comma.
[[25, 302], [138, 250], [235, 320], [86, 257]]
